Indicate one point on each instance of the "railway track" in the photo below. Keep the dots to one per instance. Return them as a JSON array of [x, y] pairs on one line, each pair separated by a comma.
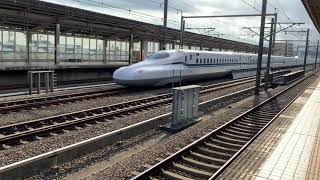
[[33, 103], [30, 103], [36, 129], [207, 157]]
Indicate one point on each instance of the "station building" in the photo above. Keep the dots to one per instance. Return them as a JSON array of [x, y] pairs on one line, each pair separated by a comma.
[[80, 44]]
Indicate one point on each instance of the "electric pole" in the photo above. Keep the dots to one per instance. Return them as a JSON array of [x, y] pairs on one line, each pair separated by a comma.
[[165, 21], [315, 62], [306, 51], [260, 53], [267, 76]]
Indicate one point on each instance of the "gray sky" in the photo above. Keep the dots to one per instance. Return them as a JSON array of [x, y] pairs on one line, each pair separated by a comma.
[[151, 11]]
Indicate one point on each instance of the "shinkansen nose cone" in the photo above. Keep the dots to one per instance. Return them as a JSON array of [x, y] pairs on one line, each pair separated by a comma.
[[129, 76]]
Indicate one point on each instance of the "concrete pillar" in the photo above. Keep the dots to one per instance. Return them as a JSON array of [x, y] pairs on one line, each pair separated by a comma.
[[30, 81], [38, 83], [46, 80], [131, 49], [104, 51], [28, 40], [286, 49], [56, 44], [144, 49], [173, 44]]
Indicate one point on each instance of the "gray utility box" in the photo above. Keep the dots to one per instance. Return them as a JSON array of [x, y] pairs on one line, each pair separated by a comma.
[[185, 106]]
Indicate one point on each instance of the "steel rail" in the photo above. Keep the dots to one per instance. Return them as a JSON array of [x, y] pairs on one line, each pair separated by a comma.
[[207, 157], [25, 104], [14, 133]]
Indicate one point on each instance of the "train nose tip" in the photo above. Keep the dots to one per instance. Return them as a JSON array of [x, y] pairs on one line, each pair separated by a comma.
[[123, 76], [121, 73]]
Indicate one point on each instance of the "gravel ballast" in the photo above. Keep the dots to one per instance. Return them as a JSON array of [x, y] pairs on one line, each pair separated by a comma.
[[161, 149], [133, 94], [24, 151]]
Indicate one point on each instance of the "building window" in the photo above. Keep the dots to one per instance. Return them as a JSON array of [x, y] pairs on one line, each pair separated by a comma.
[[200, 61], [197, 60]]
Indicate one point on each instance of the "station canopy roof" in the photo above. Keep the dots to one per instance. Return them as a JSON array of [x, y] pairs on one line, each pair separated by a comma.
[[313, 8], [36, 16]]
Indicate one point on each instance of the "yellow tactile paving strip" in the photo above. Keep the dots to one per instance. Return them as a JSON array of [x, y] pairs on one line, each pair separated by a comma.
[[289, 148]]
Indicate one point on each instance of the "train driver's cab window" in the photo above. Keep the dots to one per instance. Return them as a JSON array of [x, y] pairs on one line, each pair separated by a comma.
[[158, 55]]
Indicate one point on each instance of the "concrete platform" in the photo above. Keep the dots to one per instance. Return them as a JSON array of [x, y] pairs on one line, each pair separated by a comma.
[[289, 148], [65, 74]]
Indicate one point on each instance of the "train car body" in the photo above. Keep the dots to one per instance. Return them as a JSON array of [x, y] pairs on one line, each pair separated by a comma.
[[171, 66]]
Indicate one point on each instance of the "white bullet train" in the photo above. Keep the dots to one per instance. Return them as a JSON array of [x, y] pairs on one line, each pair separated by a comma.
[[171, 66]]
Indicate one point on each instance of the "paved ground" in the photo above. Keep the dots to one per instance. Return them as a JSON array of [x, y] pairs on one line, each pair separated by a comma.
[[289, 148]]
